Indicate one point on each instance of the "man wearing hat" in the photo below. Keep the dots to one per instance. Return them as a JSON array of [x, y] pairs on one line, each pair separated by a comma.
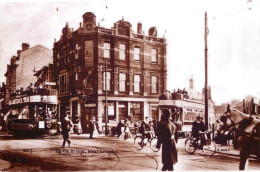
[[66, 126], [197, 127], [166, 132]]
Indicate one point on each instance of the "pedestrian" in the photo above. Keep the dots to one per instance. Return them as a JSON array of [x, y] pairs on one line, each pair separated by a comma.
[[91, 128], [66, 126], [166, 132], [118, 128], [126, 132]]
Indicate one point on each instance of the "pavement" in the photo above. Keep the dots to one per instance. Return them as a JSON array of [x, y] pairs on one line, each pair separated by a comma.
[[229, 150]]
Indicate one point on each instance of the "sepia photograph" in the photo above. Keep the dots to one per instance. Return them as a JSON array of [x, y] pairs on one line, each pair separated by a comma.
[[130, 85]]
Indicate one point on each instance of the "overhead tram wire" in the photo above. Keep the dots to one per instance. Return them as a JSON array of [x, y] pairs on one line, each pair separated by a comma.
[[35, 26]]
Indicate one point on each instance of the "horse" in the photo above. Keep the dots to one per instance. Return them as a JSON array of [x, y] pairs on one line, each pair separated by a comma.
[[247, 128]]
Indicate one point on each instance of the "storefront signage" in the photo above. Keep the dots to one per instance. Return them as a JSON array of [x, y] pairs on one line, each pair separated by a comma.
[[90, 105], [110, 110], [16, 101], [37, 98], [135, 105]]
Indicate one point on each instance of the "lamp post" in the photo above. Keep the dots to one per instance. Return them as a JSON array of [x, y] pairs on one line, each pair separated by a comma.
[[206, 74], [106, 131]]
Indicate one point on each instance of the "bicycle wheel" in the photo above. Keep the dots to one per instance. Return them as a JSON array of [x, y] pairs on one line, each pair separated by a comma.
[[190, 145], [153, 143], [139, 144], [209, 148], [132, 130]]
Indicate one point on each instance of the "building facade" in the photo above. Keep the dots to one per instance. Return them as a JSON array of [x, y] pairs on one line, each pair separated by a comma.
[[20, 71], [94, 65]]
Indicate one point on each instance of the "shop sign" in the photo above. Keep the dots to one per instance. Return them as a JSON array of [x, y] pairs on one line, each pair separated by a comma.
[[110, 110], [41, 124], [135, 105], [90, 105], [35, 98], [121, 105], [26, 99], [154, 107], [52, 99], [16, 101]]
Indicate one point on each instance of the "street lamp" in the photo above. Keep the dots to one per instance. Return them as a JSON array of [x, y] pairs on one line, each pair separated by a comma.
[[206, 73], [106, 131]]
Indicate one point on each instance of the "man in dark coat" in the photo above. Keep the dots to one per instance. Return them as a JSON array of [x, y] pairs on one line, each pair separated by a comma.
[[118, 128], [66, 126], [166, 131], [197, 126], [91, 127]]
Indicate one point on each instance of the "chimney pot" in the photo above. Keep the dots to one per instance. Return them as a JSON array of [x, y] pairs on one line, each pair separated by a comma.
[[25, 46]]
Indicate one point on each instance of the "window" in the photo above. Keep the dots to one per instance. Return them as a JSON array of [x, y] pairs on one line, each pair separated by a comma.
[[10, 81], [106, 50], [122, 82], [154, 56], [137, 83], [76, 51], [137, 54], [63, 84], [154, 84], [76, 78], [122, 51], [108, 81]]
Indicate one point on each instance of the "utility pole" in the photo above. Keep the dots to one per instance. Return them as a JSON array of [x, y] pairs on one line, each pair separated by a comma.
[[206, 74], [106, 131]]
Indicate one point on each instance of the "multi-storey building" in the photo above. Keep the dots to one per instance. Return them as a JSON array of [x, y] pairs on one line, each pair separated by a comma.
[[2, 99], [92, 61], [21, 69]]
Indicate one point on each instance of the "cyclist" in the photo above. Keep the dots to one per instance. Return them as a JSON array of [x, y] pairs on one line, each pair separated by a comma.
[[197, 127], [145, 129]]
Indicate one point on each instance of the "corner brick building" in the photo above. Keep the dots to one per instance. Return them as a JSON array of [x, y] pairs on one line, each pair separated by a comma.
[[134, 64]]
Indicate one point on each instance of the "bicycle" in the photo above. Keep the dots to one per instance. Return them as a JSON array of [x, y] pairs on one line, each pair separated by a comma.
[[140, 142], [207, 145]]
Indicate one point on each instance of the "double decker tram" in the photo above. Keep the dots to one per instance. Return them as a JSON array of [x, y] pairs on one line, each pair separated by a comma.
[[184, 111], [33, 113]]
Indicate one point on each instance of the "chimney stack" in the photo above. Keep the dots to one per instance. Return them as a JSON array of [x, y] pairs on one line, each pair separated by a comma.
[[139, 28], [19, 53], [25, 46]]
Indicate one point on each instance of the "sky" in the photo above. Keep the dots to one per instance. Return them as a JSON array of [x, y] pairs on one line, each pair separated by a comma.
[[233, 36]]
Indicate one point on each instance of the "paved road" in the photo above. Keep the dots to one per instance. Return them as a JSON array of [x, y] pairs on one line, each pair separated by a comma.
[[103, 153]]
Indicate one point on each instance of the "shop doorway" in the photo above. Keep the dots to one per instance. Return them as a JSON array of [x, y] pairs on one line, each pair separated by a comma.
[[86, 116]]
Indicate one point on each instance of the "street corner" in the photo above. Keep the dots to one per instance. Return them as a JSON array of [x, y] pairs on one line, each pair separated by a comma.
[[4, 165]]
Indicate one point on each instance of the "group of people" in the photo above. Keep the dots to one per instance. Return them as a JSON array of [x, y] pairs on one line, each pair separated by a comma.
[[123, 130], [146, 127], [165, 133], [67, 126]]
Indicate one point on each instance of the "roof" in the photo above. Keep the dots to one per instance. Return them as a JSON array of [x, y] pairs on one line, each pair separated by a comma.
[[37, 73]]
